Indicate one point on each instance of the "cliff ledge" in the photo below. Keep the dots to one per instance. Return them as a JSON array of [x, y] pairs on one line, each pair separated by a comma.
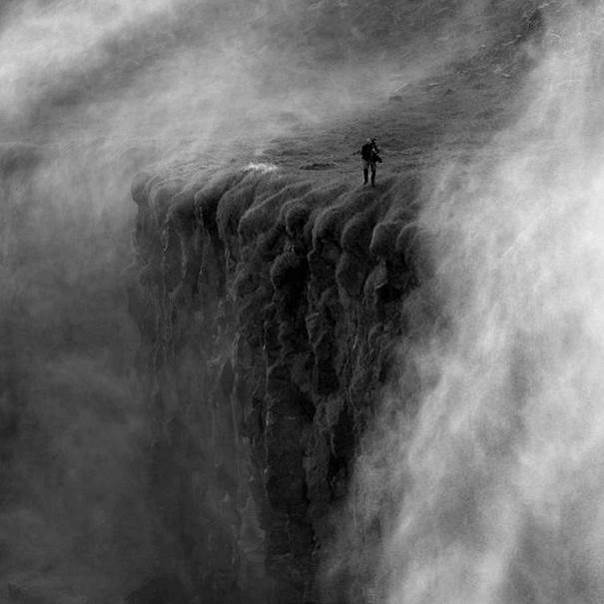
[[270, 308]]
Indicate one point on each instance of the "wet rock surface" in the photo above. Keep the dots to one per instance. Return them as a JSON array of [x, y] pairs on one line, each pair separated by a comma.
[[270, 309]]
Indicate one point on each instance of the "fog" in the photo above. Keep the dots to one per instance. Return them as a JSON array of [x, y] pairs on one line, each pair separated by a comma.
[[494, 486], [92, 93]]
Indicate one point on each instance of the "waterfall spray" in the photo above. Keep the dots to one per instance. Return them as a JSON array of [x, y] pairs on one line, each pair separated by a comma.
[[503, 477], [490, 493]]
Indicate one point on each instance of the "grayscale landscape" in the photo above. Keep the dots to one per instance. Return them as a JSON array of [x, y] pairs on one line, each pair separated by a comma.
[[233, 373]]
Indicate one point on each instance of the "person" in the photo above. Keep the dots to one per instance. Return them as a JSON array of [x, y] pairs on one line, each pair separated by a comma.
[[370, 157]]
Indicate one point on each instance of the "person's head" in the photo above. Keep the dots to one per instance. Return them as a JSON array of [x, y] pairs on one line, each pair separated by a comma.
[[369, 140]]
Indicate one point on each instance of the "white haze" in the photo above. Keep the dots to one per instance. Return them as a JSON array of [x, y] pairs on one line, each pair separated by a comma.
[[94, 91], [495, 491]]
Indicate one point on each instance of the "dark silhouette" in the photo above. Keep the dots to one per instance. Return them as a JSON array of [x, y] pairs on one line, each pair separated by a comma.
[[370, 157]]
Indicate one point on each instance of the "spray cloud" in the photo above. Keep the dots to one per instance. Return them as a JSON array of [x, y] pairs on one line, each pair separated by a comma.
[[495, 487], [94, 92]]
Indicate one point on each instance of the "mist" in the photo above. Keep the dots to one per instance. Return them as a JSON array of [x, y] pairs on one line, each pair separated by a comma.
[[490, 444], [95, 92]]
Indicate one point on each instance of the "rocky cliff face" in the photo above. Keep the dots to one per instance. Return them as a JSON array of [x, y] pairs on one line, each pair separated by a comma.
[[270, 308]]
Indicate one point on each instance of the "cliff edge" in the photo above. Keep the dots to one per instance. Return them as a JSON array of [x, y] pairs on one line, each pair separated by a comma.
[[270, 308], [275, 301]]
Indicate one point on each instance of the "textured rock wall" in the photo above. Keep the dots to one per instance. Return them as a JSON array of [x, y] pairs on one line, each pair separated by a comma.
[[270, 309]]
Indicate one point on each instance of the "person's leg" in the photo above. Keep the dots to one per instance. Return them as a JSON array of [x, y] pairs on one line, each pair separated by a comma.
[[365, 165], [373, 168]]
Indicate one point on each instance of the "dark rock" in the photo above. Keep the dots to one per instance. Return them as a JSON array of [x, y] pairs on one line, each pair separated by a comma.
[[269, 310], [160, 590]]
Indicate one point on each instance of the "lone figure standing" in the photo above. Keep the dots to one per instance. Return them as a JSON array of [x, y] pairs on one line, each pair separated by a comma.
[[370, 156]]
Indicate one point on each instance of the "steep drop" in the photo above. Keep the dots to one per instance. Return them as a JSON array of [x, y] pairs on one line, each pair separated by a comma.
[[270, 309]]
